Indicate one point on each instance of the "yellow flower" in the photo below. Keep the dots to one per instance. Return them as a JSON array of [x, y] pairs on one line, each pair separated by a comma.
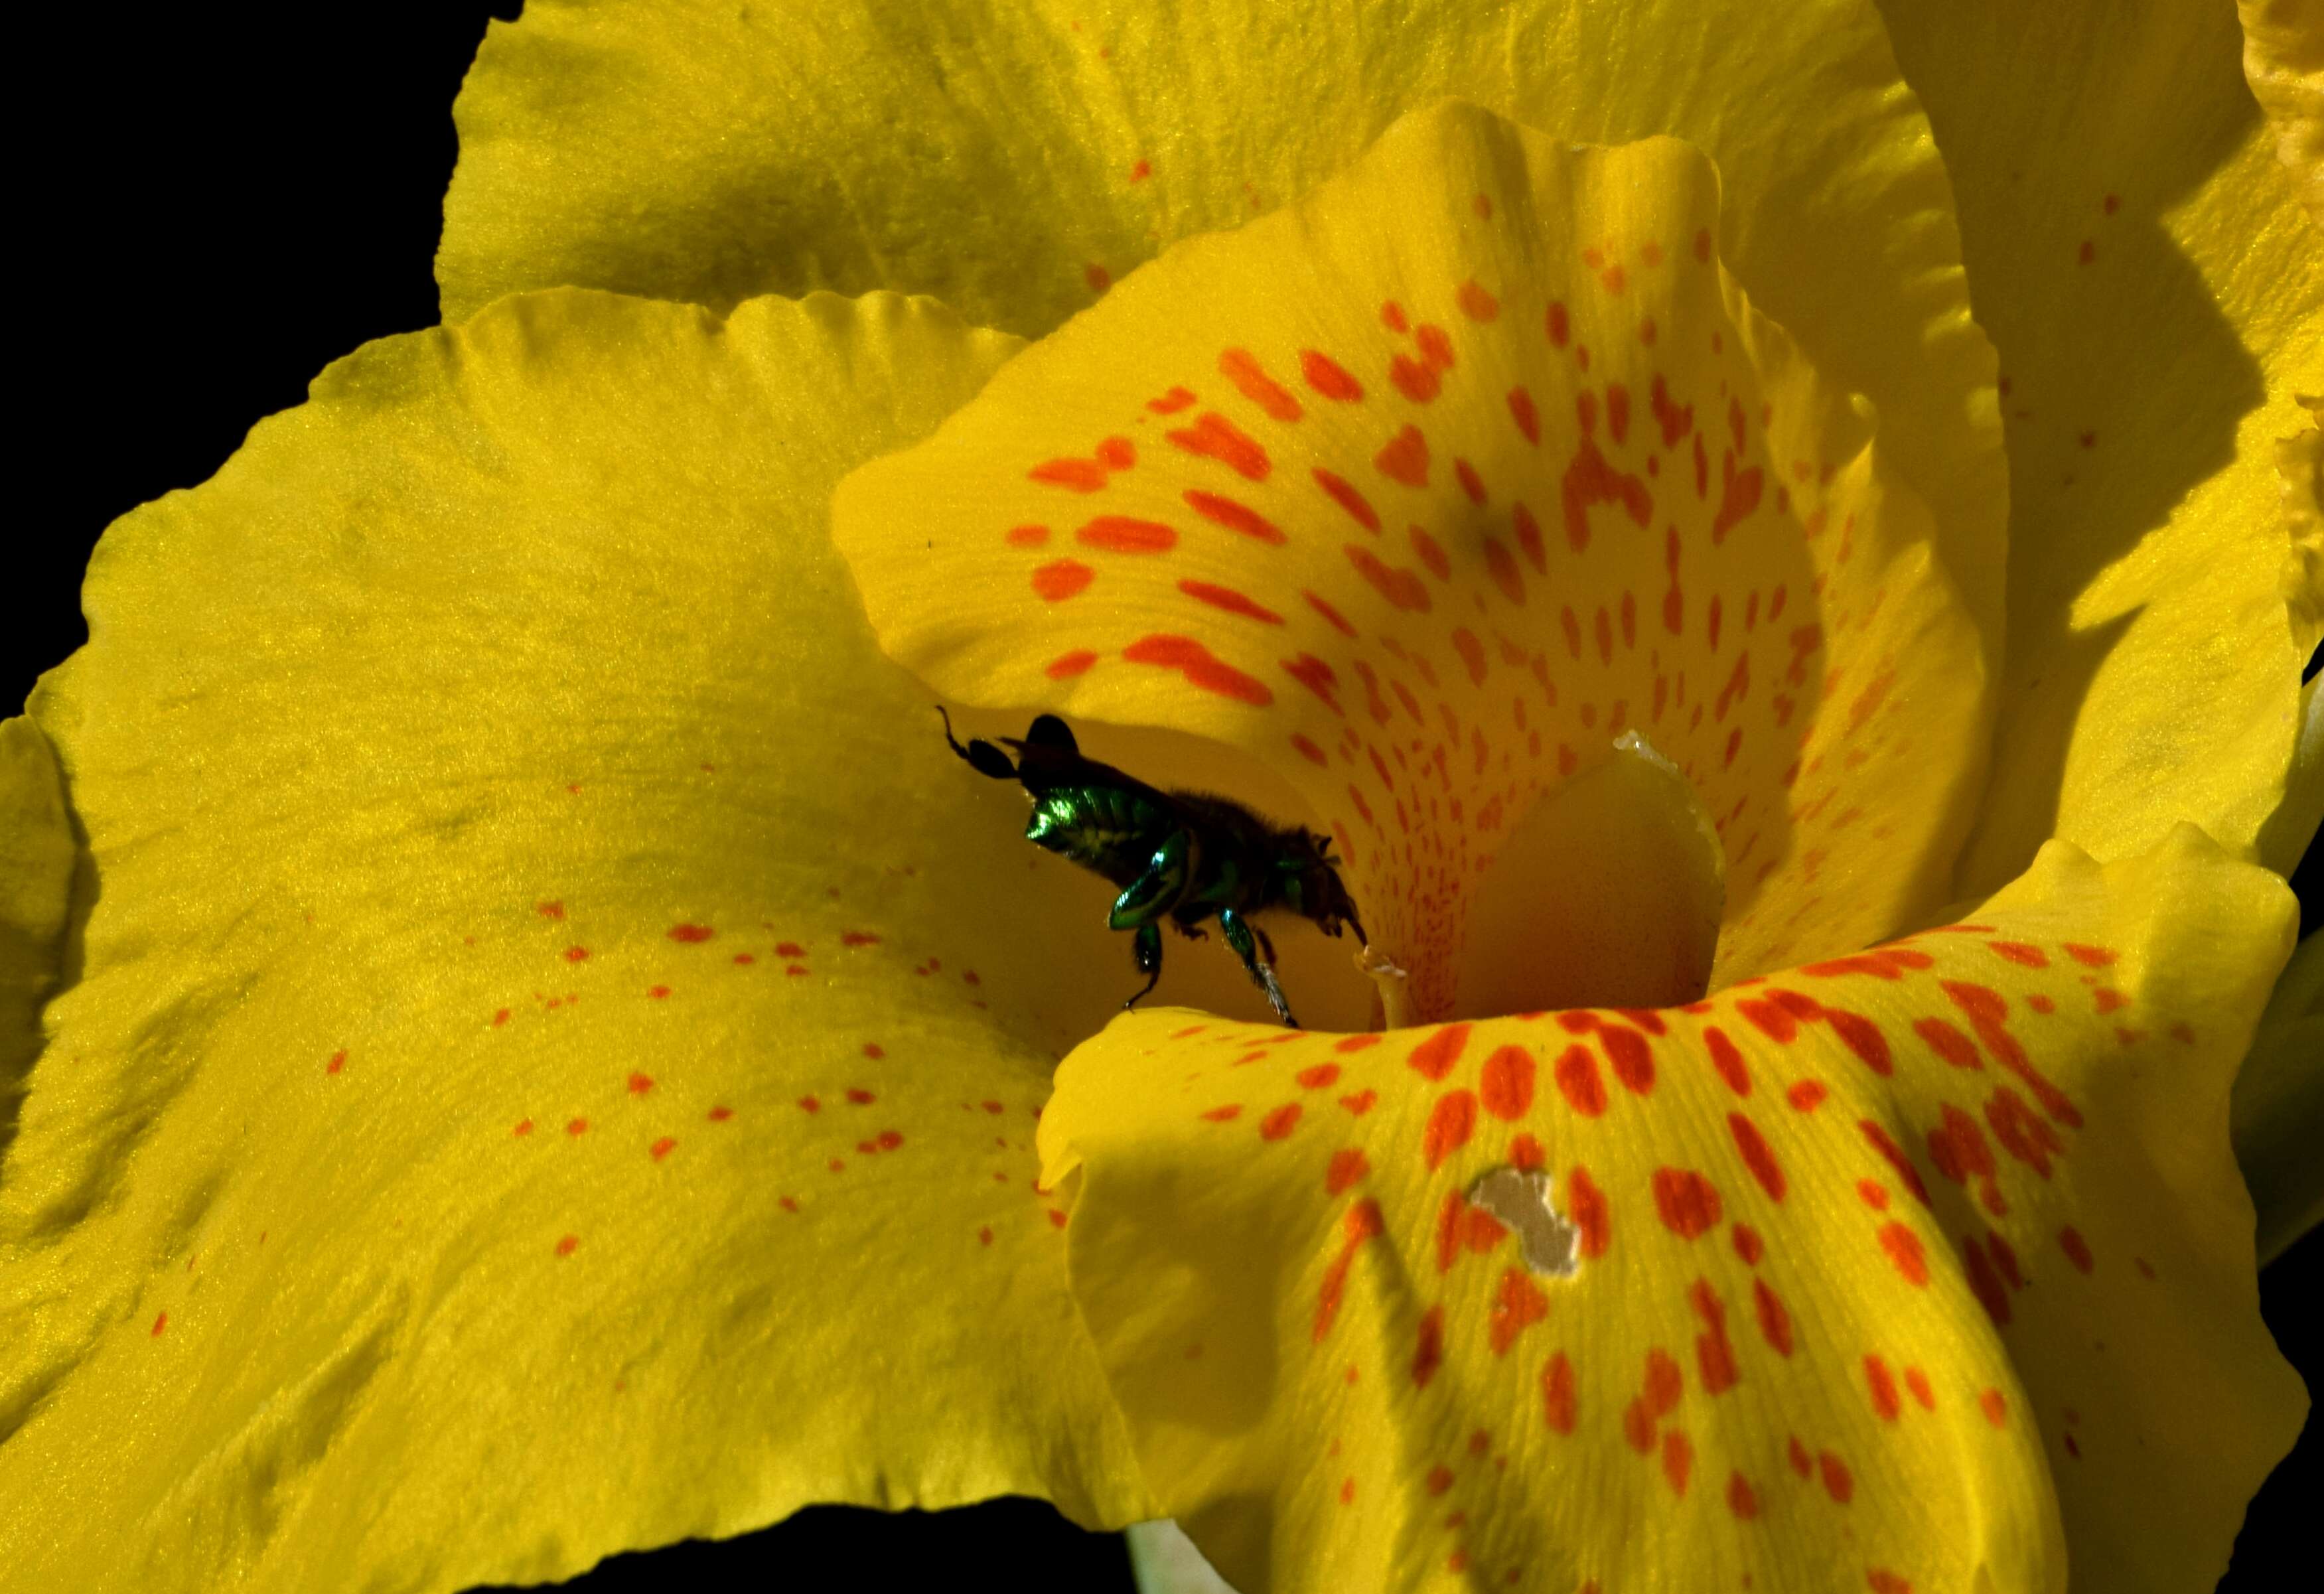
[[543, 1044]]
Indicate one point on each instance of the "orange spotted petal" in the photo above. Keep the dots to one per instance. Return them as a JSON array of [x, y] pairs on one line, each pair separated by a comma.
[[549, 1068], [1921, 1268], [1427, 490]]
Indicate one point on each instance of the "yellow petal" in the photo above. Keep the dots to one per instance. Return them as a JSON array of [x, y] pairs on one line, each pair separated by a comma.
[[2135, 251], [1424, 492], [2283, 60], [36, 858], [1925, 1267], [1013, 160], [556, 1063]]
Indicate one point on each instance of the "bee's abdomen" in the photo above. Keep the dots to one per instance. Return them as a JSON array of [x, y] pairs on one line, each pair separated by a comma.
[[1111, 832]]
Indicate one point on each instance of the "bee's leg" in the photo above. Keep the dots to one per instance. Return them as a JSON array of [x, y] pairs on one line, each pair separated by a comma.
[[1155, 892], [1238, 930], [1266, 946], [981, 755], [1146, 946]]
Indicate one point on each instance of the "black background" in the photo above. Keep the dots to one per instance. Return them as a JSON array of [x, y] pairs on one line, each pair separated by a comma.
[[222, 199]]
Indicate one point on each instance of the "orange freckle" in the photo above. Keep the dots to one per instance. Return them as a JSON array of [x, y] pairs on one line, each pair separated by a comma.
[[579, 1126], [1477, 303], [1140, 170], [721, 1114], [500, 1018], [574, 954], [663, 1147], [1026, 536], [161, 1322], [1280, 1122], [2087, 252], [1061, 579], [1995, 1407], [338, 1061], [639, 1083], [565, 1247], [1098, 277]]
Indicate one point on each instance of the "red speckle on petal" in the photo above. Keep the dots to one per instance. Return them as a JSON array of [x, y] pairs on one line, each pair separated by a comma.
[[1758, 1155], [1450, 1124], [1557, 1395], [1214, 437], [1727, 1060], [1405, 458], [1428, 1352], [1329, 378], [1235, 516], [566, 1246], [1349, 1165], [1506, 1083], [1228, 599], [1774, 1320], [1578, 1082], [1585, 1203], [1241, 367], [1632, 1058], [1201, 668], [1904, 1249], [1280, 1122], [639, 1083], [2077, 1249], [1687, 1203], [1886, 1403], [663, 1147], [1434, 1059], [691, 933]]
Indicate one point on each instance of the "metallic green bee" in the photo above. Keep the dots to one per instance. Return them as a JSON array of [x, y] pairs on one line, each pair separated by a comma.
[[1177, 856]]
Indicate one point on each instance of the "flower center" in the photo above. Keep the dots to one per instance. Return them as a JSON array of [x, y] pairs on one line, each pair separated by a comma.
[[1427, 493]]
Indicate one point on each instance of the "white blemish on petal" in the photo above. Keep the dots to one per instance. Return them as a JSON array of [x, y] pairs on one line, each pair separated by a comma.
[[1520, 1199]]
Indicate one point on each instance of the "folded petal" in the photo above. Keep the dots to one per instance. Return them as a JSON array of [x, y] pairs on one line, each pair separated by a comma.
[[36, 861], [2137, 254], [2279, 1105], [2283, 60], [547, 1076], [1014, 160], [1925, 1267], [1427, 490]]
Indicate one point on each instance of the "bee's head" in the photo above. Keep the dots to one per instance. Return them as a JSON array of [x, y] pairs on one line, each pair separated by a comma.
[[1308, 876]]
